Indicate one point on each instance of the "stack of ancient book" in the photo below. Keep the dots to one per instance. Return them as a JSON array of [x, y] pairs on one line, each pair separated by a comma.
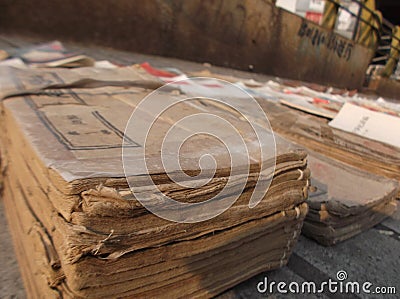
[[354, 182], [345, 201], [311, 129], [315, 134], [79, 230]]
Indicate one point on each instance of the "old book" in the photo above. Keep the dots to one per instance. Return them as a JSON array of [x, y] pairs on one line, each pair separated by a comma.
[[345, 201], [70, 205], [315, 134], [53, 54]]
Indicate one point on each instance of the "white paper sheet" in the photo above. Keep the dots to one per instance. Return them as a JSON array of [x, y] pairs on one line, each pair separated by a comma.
[[370, 124]]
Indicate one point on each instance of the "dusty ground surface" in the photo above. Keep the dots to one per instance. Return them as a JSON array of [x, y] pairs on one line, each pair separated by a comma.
[[372, 256]]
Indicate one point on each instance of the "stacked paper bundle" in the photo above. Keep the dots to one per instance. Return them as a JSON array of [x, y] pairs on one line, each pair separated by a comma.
[[344, 201], [80, 231], [347, 198], [315, 134]]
